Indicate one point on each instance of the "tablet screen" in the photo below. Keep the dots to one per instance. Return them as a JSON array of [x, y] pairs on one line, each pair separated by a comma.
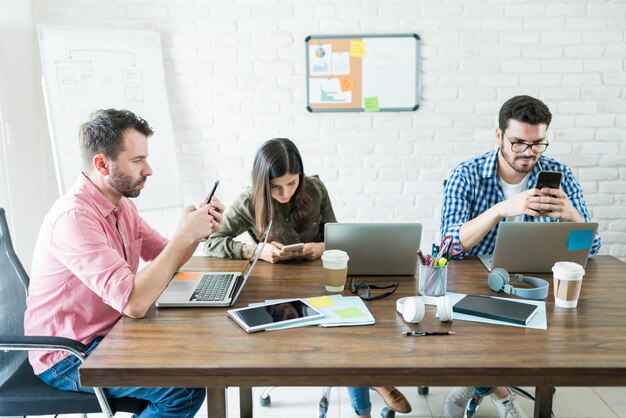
[[256, 318]]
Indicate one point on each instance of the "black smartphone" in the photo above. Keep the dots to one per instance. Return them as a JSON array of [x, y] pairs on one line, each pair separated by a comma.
[[208, 200], [550, 179]]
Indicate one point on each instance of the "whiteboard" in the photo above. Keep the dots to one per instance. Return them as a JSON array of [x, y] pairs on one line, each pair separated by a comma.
[[89, 69], [363, 73]]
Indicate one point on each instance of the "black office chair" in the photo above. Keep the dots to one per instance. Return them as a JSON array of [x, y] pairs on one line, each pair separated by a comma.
[[21, 391]]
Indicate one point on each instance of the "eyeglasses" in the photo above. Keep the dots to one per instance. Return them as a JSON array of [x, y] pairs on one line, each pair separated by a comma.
[[521, 146], [364, 290]]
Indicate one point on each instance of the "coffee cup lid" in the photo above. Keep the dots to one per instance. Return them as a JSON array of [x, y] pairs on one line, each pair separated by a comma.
[[567, 269], [335, 255]]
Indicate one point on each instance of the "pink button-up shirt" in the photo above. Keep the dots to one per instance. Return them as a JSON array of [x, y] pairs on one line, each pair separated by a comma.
[[84, 267]]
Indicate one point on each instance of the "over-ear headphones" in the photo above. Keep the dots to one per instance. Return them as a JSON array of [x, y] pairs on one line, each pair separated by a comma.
[[413, 308], [499, 281]]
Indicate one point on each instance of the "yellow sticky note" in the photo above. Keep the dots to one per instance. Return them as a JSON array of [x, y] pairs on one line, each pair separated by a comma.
[[349, 313], [357, 49], [371, 104], [321, 302], [347, 83], [188, 276]]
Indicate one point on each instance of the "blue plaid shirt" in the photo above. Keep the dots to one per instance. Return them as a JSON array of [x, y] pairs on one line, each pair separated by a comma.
[[473, 187]]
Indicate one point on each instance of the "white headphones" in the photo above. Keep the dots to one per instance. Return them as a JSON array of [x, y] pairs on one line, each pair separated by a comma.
[[413, 308]]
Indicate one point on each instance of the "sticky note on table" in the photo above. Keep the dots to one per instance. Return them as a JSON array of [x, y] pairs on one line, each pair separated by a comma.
[[188, 276], [348, 313], [321, 302], [580, 240], [371, 104], [347, 83], [357, 49]]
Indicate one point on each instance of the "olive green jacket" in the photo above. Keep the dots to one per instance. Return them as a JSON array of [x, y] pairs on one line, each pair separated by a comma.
[[287, 228]]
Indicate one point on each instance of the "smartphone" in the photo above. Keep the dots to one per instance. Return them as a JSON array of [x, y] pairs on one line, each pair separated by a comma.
[[550, 179], [293, 247], [208, 200]]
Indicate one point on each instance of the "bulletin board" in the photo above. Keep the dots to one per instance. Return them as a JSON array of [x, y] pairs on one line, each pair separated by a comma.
[[88, 69], [362, 73]]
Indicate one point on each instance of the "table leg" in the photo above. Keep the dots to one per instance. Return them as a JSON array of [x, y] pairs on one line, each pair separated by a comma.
[[543, 401], [216, 402], [245, 402]]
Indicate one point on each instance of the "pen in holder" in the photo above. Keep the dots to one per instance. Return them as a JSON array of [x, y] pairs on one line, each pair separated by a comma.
[[433, 280]]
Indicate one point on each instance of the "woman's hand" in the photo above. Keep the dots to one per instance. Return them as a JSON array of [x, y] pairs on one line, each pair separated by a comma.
[[273, 252], [312, 250]]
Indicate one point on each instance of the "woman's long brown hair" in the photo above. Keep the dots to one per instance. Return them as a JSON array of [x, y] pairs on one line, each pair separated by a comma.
[[275, 158]]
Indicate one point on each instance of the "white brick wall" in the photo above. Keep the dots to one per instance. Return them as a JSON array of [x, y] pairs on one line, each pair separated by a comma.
[[235, 74]]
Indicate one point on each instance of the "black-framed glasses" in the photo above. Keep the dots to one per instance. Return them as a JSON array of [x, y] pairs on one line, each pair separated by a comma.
[[364, 290], [521, 146]]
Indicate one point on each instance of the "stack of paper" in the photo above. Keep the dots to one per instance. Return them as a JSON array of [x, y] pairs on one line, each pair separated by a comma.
[[340, 311]]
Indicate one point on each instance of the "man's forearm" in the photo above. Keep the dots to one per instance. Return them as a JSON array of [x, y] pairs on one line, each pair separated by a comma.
[[153, 279], [473, 231]]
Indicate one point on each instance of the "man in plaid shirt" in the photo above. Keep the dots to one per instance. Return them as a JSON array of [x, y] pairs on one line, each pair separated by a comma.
[[500, 186]]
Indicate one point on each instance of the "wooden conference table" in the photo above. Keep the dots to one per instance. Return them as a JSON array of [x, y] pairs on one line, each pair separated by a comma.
[[202, 347]]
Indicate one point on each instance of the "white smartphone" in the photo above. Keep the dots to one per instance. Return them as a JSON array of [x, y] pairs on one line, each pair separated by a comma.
[[293, 247]]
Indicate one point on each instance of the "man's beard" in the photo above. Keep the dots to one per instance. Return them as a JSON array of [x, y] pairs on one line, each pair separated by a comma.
[[511, 163], [125, 185]]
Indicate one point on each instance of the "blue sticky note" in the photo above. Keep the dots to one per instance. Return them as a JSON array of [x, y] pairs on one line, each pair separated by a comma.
[[580, 240]]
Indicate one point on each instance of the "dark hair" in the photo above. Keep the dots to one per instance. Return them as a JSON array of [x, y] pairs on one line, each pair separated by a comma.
[[103, 133], [275, 158], [524, 109]]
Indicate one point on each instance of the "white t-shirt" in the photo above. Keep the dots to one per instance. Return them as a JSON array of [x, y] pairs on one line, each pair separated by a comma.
[[510, 190]]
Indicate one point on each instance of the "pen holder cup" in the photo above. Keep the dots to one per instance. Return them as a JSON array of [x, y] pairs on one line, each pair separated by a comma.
[[433, 280]]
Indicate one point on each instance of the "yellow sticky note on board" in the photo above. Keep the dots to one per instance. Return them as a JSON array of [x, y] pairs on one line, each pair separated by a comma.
[[321, 302], [357, 49], [370, 104]]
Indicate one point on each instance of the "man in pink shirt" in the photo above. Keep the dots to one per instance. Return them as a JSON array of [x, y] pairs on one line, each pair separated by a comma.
[[84, 275]]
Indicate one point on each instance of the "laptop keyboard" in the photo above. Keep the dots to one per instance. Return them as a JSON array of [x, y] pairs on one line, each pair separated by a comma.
[[212, 287]]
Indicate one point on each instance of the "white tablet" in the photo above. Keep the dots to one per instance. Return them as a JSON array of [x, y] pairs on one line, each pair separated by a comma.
[[260, 317]]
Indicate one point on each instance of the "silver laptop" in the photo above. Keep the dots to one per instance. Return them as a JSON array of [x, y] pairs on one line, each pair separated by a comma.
[[376, 248], [534, 247], [209, 289]]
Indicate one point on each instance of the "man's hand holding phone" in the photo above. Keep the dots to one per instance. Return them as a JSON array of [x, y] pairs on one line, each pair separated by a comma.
[[215, 209], [548, 182]]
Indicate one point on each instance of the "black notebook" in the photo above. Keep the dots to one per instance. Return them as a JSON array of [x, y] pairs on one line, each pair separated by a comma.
[[499, 309]]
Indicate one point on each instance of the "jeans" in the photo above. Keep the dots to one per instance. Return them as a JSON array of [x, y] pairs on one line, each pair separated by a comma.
[[163, 402], [484, 391], [360, 399]]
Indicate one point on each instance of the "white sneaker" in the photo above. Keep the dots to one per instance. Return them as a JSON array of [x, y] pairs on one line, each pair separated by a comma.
[[508, 408], [457, 402]]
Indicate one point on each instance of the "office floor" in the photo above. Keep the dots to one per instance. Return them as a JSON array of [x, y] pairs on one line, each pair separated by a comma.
[[291, 402]]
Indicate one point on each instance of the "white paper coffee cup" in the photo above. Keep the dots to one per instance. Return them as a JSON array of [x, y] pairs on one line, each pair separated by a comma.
[[335, 263], [568, 278]]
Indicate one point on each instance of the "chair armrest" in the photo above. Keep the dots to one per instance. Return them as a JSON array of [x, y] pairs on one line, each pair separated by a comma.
[[38, 343]]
